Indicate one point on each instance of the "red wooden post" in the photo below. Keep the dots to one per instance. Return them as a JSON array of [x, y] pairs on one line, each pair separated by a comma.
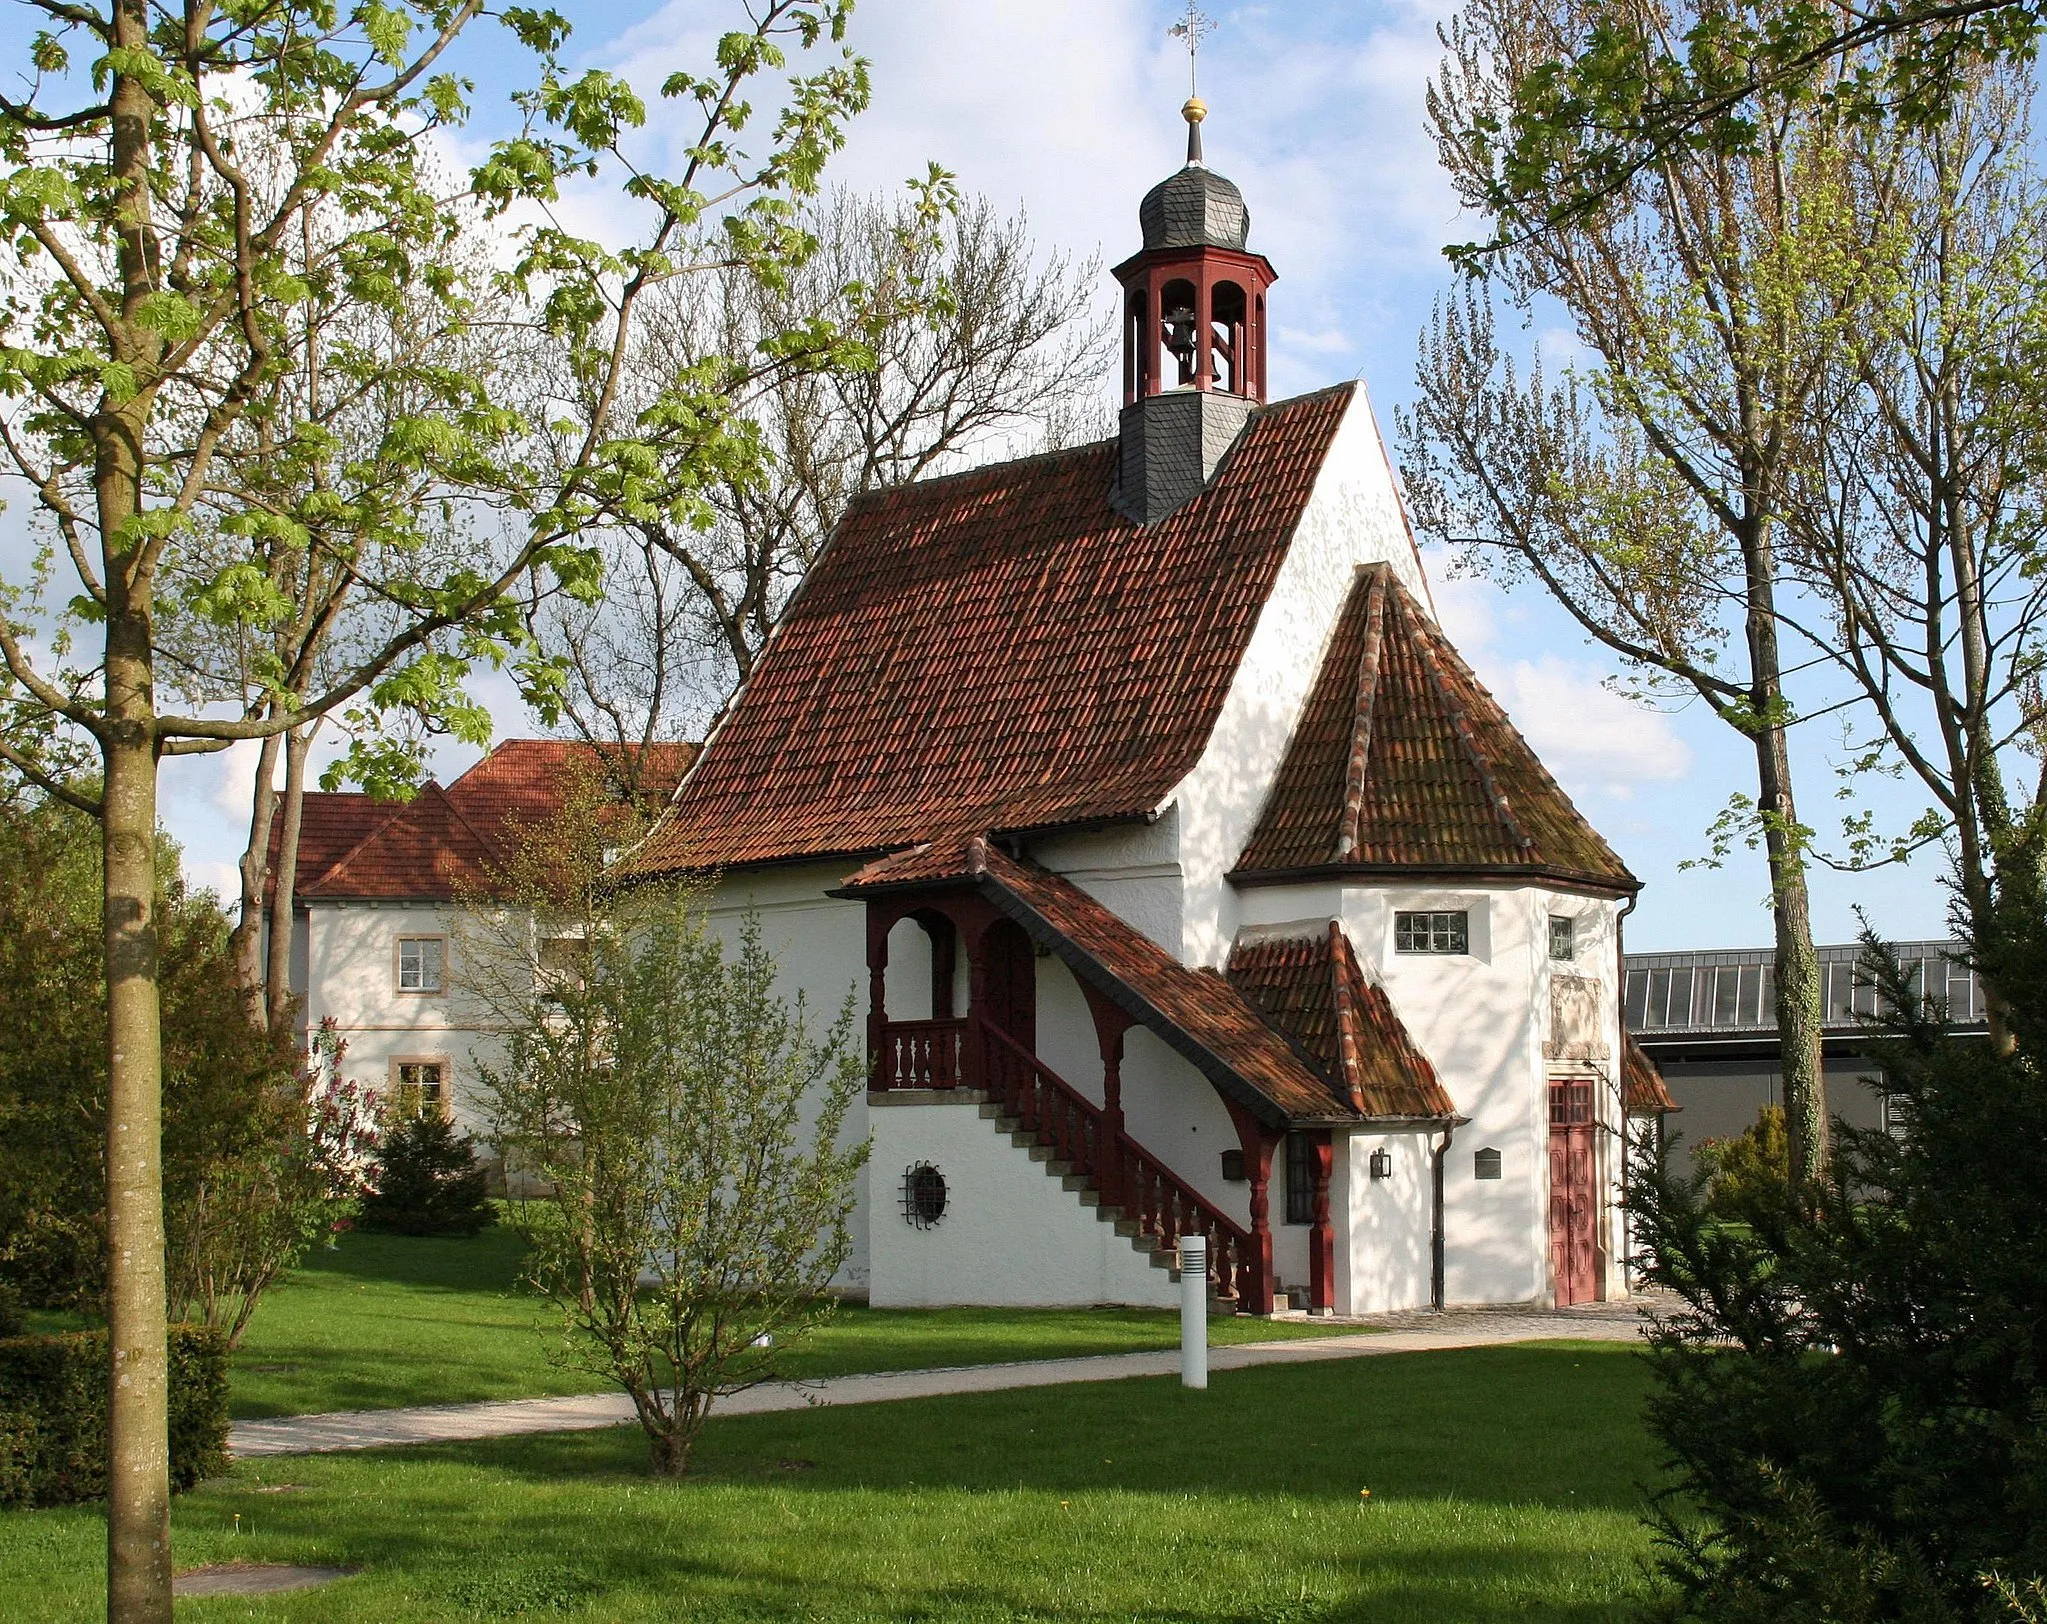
[[1322, 1238], [1110, 1025], [878, 923], [1257, 1141]]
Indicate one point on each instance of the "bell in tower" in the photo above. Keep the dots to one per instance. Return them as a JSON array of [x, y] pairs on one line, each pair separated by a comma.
[[1193, 335]]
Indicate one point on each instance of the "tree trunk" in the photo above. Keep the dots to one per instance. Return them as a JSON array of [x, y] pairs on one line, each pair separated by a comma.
[[1797, 967], [298, 744], [255, 866], [138, 1448]]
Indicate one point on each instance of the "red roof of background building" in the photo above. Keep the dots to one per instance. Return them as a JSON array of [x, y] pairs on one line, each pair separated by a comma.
[[446, 841], [999, 650], [1402, 760], [1313, 989]]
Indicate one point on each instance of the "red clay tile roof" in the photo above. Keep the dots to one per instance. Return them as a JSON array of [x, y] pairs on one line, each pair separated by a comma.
[[1642, 1090], [1196, 1012], [1313, 989], [1401, 760], [444, 841], [999, 650]]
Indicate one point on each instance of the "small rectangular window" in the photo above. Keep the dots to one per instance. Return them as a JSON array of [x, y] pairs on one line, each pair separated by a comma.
[[419, 963], [1563, 938], [1447, 931], [420, 1088], [1300, 1179]]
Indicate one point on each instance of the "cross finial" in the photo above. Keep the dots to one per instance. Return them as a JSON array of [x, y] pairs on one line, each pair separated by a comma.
[[1193, 28]]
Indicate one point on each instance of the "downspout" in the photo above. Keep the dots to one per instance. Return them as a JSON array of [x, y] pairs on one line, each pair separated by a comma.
[[1436, 1218], [1620, 1073]]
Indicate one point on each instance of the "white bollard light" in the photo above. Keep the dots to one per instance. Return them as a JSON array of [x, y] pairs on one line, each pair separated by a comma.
[[1193, 1310]]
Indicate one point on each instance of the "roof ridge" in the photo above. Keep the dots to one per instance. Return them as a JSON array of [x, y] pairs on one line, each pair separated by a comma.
[[1461, 730], [1347, 1035], [1362, 713], [488, 843]]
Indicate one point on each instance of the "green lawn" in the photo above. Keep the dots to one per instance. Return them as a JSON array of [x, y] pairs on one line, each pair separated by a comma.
[[387, 1320], [1503, 1487]]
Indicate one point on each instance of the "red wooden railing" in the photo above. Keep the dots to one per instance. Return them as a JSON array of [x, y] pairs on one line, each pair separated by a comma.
[[1128, 1176], [922, 1054]]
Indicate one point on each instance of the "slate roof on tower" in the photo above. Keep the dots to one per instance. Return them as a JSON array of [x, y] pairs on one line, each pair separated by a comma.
[[1402, 762], [999, 650]]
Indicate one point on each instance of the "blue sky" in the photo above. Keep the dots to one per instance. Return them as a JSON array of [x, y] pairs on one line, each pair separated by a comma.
[[1068, 108]]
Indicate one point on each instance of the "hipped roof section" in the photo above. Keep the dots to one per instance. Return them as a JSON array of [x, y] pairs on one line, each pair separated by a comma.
[[1202, 1015], [1312, 988], [1401, 761], [999, 650]]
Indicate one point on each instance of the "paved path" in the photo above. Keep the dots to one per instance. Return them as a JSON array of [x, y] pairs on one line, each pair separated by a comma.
[[1401, 1333]]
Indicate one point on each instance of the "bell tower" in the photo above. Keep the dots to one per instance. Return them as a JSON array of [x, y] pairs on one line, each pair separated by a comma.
[[1193, 335]]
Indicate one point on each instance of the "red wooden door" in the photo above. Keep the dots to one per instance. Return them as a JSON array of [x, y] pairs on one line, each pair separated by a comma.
[[1573, 1192]]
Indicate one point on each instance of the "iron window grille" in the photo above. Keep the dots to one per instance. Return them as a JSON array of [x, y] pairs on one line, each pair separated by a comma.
[[1440, 931], [925, 1195], [1563, 938]]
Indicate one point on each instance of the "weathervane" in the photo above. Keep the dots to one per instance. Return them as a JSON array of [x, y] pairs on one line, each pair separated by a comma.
[[1193, 28]]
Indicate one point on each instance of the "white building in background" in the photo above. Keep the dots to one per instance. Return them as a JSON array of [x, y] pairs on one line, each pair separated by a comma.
[[1186, 876], [374, 928]]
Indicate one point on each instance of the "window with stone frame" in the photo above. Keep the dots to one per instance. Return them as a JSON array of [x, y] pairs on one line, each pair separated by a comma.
[[418, 1088], [1442, 930], [421, 962], [1563, 938]]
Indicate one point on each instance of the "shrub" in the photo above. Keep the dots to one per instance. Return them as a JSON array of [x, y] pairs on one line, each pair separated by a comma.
[[429, 1183], [1852, 1392], [1753, 1167], [53, 1414]]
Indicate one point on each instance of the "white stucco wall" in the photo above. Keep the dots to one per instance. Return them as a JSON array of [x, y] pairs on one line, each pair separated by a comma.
[[1385, 1227], [1482, 1018], [1012, 1235], [1353, 517], [347, 969]]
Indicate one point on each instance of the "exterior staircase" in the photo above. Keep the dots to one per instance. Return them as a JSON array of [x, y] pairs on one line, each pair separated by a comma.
[[1078, 1143]]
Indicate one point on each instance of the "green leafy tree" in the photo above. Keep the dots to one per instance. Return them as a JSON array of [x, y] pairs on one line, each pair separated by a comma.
[[1644, 489], [1851, 1393], [686, 1122], [243, 1191], [181, 181]]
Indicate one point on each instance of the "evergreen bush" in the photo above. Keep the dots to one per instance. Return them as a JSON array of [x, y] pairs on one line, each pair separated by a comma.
[[53, 1414], [1752, 1166], [429, 1182], [1852, 1396]]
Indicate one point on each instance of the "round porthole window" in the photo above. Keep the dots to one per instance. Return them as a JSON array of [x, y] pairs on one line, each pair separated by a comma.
[[924, 1195]]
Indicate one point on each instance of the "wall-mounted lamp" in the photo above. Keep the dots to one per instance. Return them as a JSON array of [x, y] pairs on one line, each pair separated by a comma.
[[1382, 1163]]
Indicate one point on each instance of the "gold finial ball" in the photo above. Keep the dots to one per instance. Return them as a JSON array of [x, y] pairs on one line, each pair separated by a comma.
[[1195, 111]]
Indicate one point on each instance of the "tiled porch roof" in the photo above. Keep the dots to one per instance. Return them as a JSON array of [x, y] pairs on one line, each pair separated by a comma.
[[1312, 988], [1197, 1012], [1642, 1089]]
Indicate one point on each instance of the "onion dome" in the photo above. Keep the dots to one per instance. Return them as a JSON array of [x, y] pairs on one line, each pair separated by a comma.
[[1194, 208]]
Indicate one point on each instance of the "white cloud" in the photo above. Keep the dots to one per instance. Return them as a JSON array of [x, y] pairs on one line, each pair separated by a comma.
[[1587, 734]]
